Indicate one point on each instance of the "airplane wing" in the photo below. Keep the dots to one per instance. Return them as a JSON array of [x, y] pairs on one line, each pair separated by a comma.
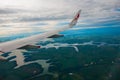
[[21, 43]]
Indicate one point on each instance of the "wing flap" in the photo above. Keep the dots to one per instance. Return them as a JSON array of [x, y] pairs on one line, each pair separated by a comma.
[[30, 47], [56, 36]]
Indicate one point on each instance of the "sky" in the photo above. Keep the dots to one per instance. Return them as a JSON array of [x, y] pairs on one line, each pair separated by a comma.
[[26, 16]]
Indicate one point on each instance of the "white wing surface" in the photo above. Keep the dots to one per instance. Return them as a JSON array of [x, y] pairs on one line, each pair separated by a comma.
[[18, 43]]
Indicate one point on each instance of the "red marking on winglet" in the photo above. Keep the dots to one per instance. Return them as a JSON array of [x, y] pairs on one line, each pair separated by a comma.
[[78, 15]]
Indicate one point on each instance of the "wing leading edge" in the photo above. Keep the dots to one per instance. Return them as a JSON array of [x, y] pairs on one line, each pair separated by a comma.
[[18, 43]]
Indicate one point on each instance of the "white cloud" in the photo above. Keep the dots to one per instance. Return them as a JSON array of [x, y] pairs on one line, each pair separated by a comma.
[[26, 13]]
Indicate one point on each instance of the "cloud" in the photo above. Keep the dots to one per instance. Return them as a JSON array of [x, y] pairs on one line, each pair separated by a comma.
[[6, 11], [27, 13]]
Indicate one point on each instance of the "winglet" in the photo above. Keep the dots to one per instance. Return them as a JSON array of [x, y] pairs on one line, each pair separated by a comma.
[[74, 21]]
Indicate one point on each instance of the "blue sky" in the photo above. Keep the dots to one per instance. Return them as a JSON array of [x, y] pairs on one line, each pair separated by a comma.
[[43, 15]]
